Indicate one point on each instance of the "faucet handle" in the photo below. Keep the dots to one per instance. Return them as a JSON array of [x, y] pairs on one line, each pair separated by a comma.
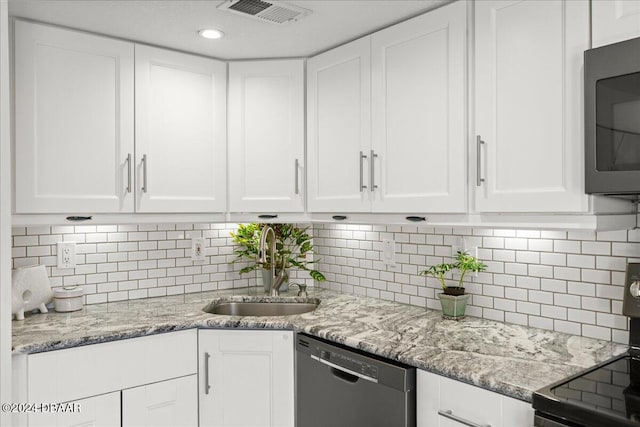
[[302, 292]]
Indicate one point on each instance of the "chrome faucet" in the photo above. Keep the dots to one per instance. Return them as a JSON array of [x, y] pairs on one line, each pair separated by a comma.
[[276, 281]]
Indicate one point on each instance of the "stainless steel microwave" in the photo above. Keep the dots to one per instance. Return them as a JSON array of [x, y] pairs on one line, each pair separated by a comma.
[[612, 119]]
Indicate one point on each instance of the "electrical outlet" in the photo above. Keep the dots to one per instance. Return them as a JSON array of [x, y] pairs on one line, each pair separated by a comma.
[[197, 249], [389, 251], [66, 254]]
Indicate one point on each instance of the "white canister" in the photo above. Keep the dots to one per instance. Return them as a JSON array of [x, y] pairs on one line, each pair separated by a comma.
[[68, 299]]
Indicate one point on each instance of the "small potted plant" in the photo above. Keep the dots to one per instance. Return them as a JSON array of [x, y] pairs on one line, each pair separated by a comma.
[[293, 245], [453, 299]]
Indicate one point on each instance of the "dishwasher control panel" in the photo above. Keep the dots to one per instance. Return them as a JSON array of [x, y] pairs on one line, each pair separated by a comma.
[[350, 363]]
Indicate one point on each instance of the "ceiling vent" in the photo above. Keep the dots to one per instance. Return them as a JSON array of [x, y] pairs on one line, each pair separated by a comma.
[[266, 11]]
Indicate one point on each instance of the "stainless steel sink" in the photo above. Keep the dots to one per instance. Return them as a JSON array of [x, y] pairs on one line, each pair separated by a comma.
[[244, 308]]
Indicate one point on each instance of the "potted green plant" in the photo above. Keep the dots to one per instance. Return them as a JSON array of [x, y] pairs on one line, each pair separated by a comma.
[[453, 299], [293, 247]]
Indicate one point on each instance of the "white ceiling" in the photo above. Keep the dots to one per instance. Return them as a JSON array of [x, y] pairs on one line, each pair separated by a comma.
[[174, 23]]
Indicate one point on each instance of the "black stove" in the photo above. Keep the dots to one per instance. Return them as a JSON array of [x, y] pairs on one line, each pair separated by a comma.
[[606, 395]]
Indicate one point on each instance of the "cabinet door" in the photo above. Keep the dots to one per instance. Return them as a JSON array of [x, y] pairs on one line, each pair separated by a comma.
[[266, 136], [167, 403], [73, 121], [246, 378], [419, 113], [339, 128], [529, 114], [180, 132], [97, 411], [613, 21]]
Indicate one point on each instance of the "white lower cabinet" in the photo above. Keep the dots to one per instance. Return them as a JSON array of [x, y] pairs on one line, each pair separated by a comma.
[[167, 403], [152, 379], [246, 378], [96, 411], [443, 402]]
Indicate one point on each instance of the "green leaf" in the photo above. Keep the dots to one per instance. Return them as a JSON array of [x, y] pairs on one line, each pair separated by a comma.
[[316, 275]]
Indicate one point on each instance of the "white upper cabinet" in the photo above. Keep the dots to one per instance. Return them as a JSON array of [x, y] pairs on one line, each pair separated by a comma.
[[339, 128], [613, 21], [418, 113], [180, 132], [266, 136], [386, 119], [529, 110], [73, 121]]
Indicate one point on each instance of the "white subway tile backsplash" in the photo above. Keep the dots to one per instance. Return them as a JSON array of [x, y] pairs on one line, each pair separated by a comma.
[[494, 242], [612, 236], [553, 312], [581, 316], [554, 259], [116, 263], [541, 245], [567, 246], [626, 249], [597, 332], [566, 281], [528, 282], [528, 308], [581, 261], [567, 327], [517, 318], [518, 244], [566, 273], [534, 277], [541, 322]]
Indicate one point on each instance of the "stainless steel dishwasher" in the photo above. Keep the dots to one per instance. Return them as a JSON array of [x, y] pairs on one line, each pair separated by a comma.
[[341, 387]]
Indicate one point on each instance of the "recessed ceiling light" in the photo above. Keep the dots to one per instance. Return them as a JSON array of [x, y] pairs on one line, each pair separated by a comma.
[[211, 34]]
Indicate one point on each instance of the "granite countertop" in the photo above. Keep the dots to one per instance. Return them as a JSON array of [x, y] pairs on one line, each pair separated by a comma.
[[509, 359]]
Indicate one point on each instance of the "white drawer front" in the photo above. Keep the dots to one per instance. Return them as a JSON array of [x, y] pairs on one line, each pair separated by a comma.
[[97, 411], [443, 402], [69, 374]]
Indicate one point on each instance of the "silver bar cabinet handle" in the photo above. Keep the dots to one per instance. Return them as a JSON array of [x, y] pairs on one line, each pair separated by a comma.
[[297, 165], [145, 188], [362, 157], [207, 386], [447, 413], [479, 178], [129, 173], [373, 175]]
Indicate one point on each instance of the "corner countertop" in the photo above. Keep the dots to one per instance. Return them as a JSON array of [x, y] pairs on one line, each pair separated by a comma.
[[509, 359]]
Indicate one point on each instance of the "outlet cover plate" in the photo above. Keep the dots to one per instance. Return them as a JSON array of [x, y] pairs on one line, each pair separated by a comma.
[[66, 254], [197, 249], [389, 252]]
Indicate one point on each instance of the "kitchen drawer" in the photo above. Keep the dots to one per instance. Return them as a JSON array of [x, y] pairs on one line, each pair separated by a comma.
[[443, 402], [164, 404], [103, 410], [70, 374]]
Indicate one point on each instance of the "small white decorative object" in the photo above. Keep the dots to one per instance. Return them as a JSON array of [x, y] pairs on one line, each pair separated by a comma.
[[30, 289], [68, 299]]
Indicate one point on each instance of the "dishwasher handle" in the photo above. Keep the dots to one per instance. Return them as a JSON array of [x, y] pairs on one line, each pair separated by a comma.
[[345, 370]]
